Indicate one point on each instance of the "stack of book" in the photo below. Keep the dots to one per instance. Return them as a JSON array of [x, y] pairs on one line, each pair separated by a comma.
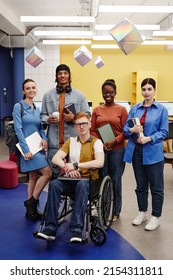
[[132, 122]]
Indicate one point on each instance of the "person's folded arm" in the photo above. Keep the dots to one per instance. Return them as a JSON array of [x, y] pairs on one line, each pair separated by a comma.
[[58, 158], [96, 163]]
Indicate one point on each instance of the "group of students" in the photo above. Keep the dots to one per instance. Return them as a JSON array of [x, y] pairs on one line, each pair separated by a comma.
[[75, 138]]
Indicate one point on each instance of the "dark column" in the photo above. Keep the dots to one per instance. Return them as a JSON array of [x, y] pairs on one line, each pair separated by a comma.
[[18, 73]]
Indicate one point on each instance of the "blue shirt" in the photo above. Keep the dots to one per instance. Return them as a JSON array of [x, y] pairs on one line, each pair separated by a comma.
[[50, 104], [156, 127], [29, 123]]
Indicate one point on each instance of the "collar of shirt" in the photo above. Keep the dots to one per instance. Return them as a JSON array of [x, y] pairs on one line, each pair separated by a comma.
[[153, 104], [89, 139]]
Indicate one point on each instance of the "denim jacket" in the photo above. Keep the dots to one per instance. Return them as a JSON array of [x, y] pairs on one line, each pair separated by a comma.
[[50, 104], [156, 127]]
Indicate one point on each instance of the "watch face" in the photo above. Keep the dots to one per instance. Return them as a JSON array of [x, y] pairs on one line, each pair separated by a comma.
[[75, 165]]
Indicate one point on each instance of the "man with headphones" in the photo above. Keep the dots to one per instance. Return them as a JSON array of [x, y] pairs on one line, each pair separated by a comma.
[[59, 129]]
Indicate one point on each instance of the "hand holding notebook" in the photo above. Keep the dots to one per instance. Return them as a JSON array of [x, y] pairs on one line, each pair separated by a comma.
[[33, 141], [132, 122], [106, 133], [70, 107]]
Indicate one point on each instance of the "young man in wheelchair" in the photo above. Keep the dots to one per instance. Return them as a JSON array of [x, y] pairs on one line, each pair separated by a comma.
[[84, 152]]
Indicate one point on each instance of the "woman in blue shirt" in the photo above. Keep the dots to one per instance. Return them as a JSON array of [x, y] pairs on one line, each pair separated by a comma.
[[146, 153], [36, 165]]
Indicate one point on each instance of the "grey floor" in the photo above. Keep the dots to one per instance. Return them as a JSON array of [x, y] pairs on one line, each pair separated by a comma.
[[155, 245]]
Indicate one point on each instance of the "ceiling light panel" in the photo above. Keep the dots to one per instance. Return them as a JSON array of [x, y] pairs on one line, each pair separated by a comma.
[[66, 42], [46, 19], [64, 33], [163, 33], [136, 9], [138, 26]]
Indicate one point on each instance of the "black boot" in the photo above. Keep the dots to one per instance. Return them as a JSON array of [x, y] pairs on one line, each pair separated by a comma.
[[39, 214], [31, 209]]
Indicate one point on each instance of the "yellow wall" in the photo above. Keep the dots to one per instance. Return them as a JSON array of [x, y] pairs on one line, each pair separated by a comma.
[[119, 66]]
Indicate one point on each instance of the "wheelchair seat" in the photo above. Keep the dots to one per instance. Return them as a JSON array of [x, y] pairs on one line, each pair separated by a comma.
[[101, 198]]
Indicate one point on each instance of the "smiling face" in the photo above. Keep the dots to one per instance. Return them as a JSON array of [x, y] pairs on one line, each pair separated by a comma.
[[29, 89], [108, 93], [63, 78]]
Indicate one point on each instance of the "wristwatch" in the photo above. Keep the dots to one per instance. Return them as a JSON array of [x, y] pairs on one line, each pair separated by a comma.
[[75, 164]]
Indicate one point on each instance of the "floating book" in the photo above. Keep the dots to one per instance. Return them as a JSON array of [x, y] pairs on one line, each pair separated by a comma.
[[106, 133], [70, 107], [132, 122], [33, 141]]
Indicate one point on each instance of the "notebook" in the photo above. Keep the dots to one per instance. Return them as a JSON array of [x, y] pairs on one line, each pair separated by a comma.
[[71, 107], [132, 122], [106, 133], [33, 141]]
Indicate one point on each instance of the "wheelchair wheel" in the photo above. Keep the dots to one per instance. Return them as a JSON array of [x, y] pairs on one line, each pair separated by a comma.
[[106, 202], [98, 235], [63, 208]]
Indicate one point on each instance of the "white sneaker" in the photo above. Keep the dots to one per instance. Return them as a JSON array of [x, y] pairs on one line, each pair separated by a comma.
[[140, 218], [153, 223]]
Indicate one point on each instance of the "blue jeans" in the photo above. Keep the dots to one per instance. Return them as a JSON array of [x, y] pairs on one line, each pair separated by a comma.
[[80, 190], [114, 167], [148, 176]]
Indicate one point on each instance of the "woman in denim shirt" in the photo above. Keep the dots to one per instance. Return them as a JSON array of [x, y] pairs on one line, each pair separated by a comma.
[[36, 165], [146, 153]]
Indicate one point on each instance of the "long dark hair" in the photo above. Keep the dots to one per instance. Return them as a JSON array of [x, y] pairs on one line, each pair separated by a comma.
[[23, 84]]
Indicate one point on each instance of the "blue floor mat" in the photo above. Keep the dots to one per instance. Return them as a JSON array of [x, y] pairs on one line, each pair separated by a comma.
[[18, 243]]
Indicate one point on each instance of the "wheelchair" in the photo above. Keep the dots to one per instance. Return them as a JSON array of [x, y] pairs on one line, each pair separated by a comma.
[[99, 213]]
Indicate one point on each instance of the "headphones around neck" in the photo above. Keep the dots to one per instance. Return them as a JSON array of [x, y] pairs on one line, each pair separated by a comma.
[[60, 89]]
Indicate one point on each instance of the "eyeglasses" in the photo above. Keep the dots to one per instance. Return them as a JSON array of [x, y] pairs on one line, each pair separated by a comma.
[[84, 124], [108, 92]]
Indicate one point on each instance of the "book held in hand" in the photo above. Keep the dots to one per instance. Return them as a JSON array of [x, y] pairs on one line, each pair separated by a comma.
[[106, 133], [70, 107], [33, 141], [132, 122]]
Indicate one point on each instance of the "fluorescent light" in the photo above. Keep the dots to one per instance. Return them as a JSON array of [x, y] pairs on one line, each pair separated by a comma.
[[66, 42], [100, 46], [147, 26], [138, 26], [159, 42], [62, 34], [136, 9], [103, 38], [56, 19], [112, 46], [163, 33], [106, 38]]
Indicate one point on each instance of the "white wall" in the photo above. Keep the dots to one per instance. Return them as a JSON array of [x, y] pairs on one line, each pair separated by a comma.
[[44, 73]]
